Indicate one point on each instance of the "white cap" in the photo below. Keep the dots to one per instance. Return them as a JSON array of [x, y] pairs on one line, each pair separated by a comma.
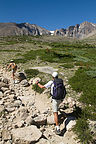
[[55, 74], [11, 60]]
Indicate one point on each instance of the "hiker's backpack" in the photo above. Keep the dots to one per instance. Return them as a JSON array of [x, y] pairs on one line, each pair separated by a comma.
[[59, 91], [14, 66]]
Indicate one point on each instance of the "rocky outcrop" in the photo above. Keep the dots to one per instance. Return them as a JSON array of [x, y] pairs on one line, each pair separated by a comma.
[[60, 32], [11, 29], [78, 31], [86, 28]]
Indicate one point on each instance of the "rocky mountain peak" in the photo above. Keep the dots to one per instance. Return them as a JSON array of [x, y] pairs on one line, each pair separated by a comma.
[[88, 24], [9, 29], [78, 31]]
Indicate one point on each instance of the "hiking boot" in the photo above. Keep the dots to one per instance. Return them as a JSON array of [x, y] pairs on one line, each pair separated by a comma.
[[57, 131]]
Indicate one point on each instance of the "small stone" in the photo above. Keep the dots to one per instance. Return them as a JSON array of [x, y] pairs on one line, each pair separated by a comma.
[[10, 109], [5, 80], [29, 120], [6, 135], [2, 108], [19, 124], [17, 103], [1, 94]]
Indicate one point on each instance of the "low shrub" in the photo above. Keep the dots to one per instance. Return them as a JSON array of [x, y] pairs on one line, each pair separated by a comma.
[[82, 131], [50, 56], [68, 65], [82, 82], [11, 50], [20, 60], [30, 73]]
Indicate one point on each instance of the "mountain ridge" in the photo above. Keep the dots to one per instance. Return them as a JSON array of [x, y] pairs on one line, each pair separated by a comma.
[[78, 31], [8, 29], [82, 30]]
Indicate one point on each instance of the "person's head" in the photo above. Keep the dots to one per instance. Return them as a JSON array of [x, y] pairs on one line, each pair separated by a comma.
[[55, 75], [11, 61]]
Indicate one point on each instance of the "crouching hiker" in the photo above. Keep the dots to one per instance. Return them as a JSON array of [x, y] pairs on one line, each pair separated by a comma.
[[58, 93], [13, 66]]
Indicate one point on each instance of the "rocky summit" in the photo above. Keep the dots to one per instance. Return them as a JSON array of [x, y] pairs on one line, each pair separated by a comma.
[[12, 29], [78, 31]]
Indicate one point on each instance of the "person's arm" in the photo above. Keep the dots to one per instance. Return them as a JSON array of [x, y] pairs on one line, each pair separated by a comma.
[[9, 66], [48, 85], [41, 86]]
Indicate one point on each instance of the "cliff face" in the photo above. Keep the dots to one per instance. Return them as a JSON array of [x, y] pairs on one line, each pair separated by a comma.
[[7, 29], [78, 31]]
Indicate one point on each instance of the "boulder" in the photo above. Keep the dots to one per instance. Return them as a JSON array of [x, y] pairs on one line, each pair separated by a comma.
[[50, 120], [31, 81], [70, 122], [92, 126], [2, 84], [43, 141], [40, 120], [19, 124], [26, 135], [17, 81], [22, 113], [24, 83], [8, 92], [1, 102], [70, 125], [35, 80], [47, 111], [5, 80], [20, 76], [17, 103], [71, 102], [10, 109], [4, 89]]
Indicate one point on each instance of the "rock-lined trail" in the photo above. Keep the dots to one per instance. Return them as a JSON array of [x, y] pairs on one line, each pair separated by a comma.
[[26, 117]]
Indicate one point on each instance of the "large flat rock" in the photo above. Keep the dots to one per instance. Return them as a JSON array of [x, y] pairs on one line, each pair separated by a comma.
[[26, 135]]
